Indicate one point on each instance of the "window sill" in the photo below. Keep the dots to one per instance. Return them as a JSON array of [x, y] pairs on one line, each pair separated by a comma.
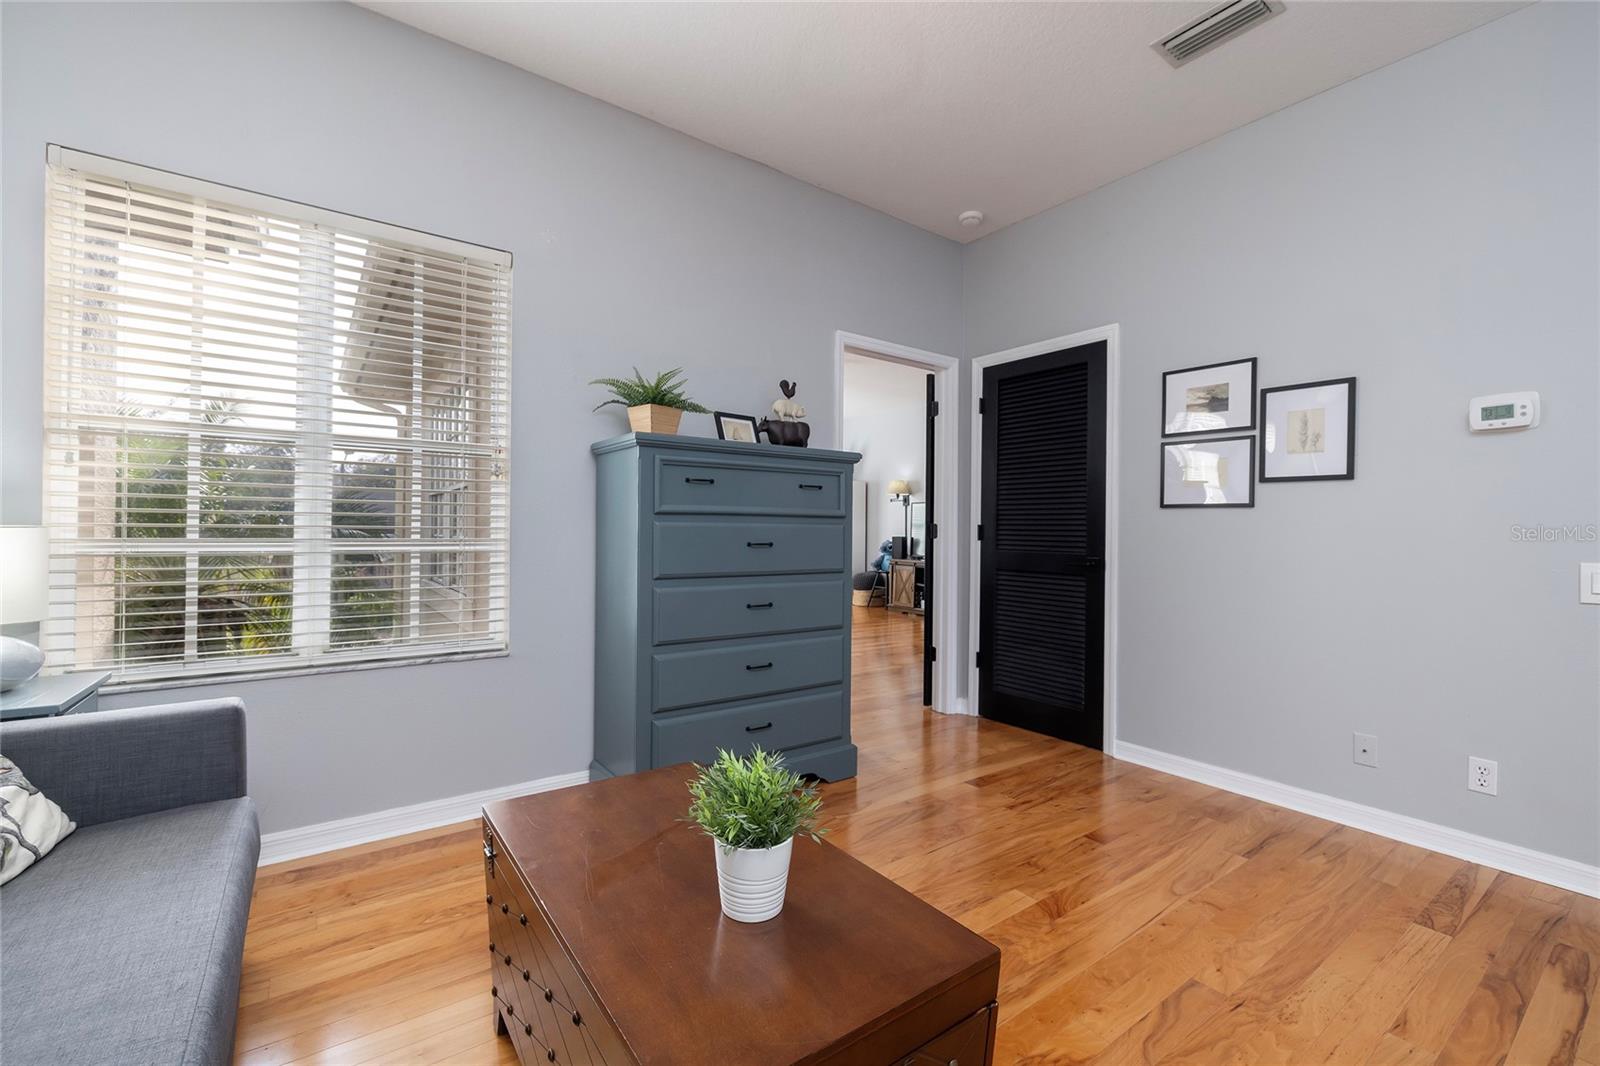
[[113, 688]]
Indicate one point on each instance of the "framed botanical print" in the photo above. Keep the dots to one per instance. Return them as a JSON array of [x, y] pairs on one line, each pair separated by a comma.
[[1220, 472], [1209, 399], [1308, 432]]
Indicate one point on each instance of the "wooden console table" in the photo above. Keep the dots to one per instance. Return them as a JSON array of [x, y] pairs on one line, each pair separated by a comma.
[[610, 947]]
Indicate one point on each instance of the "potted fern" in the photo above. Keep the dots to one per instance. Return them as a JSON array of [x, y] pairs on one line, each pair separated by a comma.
[[752, 808], [654, 405]]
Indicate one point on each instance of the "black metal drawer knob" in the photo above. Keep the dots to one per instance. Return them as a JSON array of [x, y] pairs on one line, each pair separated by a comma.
[[549, 995]]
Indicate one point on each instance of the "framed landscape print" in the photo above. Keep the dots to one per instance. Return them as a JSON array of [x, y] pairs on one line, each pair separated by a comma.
[[1308, 432], [1208, 399], [1209, 473]]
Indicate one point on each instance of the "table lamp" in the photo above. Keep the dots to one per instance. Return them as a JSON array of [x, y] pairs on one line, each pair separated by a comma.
[[24, 597]]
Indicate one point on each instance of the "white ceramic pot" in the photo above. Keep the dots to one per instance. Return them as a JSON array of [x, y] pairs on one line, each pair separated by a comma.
[[19, 662], [752, 881]]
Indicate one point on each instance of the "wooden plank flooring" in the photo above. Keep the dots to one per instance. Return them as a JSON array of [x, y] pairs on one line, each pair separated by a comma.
[[1142, 918]]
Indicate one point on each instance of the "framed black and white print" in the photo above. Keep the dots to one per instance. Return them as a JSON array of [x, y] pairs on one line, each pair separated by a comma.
[[1209, 399], [1308, 432], [1220, 472]]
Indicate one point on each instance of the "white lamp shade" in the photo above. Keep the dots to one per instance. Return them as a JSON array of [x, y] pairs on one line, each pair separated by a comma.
[[24, 574], [899, 488]]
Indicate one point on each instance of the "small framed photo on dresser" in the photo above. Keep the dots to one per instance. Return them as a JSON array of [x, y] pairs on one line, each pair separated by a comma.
[[1209, 473], [1209, 399], [736, 427], [1308, 432]]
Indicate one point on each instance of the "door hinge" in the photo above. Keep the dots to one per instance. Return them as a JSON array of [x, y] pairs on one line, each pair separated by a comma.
[[933, 531], [980, 530], [980, 405], [936, 408], [933, 655], [977, 659]]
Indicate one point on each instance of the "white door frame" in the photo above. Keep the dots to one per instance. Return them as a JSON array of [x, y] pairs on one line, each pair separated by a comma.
[[1112, 336], [947, 494]]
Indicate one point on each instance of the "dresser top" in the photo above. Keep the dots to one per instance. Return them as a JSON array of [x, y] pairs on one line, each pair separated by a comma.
[[631, 889], [721, 447]]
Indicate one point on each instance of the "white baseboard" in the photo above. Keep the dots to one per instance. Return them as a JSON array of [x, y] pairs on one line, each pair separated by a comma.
[[1512, 858], [396, 821]]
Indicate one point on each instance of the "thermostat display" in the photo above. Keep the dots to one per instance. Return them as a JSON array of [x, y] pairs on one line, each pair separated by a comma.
[[1508, 410]]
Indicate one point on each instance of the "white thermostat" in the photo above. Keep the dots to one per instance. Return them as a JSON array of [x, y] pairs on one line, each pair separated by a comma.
[[1508, 410]]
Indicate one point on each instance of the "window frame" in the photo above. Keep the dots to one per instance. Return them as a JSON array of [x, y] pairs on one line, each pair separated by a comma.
[[312, 547]]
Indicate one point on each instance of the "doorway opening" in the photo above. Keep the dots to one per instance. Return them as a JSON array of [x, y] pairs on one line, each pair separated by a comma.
[[893, 405]]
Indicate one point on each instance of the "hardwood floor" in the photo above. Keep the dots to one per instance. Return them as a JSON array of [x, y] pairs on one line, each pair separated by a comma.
[[1142, 918]]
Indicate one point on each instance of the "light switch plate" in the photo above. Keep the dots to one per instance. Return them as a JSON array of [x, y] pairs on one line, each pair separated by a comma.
[[1589, 582]]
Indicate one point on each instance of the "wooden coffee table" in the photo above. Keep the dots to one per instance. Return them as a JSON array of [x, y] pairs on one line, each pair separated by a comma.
[[610, 946]]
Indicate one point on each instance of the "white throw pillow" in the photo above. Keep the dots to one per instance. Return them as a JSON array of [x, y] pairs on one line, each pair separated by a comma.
[[30, 823]]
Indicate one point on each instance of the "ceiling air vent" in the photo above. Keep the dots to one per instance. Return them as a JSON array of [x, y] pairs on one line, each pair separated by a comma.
[[1215, 26]]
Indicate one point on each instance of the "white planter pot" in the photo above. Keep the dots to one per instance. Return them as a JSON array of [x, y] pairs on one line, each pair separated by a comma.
[[752, 881]]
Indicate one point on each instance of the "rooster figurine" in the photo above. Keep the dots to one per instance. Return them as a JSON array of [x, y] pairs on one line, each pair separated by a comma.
[[786, 410], [785, 425]]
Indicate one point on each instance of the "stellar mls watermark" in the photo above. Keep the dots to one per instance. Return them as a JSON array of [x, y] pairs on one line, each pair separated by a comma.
[[1543, 534]]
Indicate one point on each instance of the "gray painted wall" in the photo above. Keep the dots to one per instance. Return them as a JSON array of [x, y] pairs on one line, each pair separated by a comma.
[[1432, 229], [633, 244]]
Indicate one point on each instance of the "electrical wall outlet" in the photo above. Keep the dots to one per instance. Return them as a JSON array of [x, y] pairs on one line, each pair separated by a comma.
[[1364, 749], [1483, 775]]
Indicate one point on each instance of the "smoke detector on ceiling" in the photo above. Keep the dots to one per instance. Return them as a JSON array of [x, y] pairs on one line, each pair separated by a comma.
[[1220, 24], [970, 218]]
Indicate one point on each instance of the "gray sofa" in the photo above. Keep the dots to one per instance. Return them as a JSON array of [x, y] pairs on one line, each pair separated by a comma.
[[123, 945]]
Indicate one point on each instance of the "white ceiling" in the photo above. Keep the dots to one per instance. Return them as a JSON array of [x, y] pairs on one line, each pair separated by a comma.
[[925, 110]]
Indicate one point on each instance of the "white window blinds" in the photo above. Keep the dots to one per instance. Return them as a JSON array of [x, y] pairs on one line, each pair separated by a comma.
[[275, 435]]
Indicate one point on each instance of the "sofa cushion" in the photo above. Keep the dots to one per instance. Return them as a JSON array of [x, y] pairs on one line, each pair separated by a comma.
[[30, 822], [125, 947]]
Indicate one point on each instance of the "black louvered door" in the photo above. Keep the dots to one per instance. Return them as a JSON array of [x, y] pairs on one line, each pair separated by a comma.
[[1042, 543]]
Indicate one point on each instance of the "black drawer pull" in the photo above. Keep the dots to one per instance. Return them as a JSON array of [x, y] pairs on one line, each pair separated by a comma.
[[758, 666], [758, 606], [758, 544], [757, 728], [811, 488], [549, 995], [700, 480], [523, 918], [577, 1019]]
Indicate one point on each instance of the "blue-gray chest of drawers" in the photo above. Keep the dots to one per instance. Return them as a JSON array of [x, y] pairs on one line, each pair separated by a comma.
[[722, 603]]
